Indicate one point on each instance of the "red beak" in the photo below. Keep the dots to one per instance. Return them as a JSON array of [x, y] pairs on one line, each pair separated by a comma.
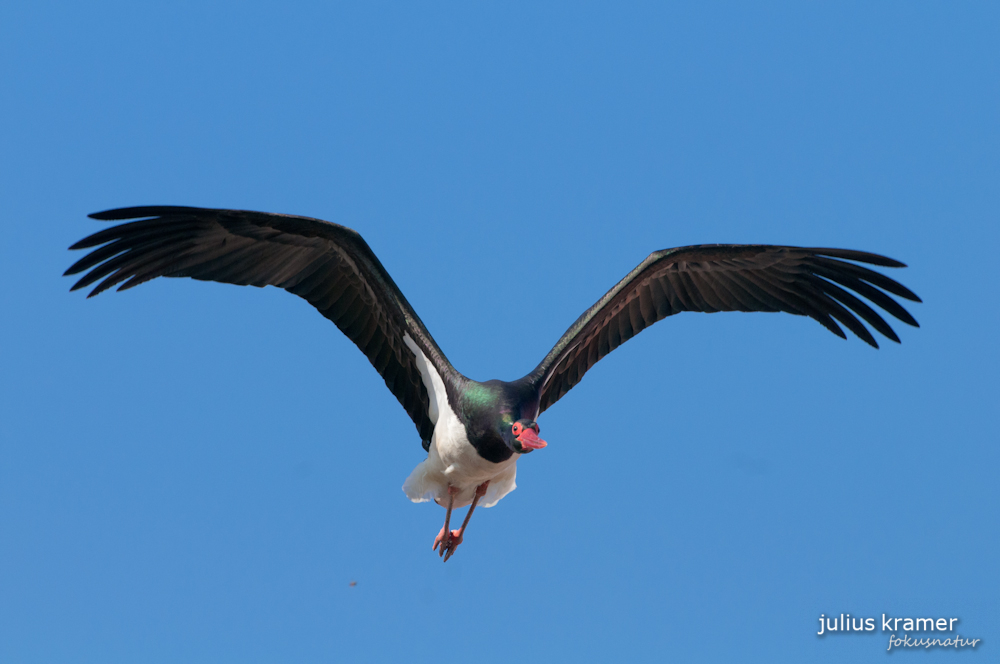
[[530, 441]]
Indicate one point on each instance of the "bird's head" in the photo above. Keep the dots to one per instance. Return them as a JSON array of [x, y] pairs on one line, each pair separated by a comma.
[[523, 436]]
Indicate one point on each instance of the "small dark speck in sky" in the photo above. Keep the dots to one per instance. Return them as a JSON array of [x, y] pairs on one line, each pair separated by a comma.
[[353, 583]]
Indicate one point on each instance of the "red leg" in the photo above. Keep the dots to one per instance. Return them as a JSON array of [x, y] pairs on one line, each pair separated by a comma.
[[455, 536], [445, 535]]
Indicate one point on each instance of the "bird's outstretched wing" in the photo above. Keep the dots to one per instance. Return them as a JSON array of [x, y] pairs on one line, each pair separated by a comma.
[[328, 265], [720, 277]]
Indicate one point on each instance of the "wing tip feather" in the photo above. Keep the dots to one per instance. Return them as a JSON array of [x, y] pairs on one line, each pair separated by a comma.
[[144, 212], [859, 256]]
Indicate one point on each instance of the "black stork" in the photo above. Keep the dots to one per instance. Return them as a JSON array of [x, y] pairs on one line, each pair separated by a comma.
[[474, 432]]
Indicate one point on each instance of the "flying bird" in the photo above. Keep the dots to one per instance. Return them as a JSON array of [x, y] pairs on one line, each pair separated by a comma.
[[475, 432]]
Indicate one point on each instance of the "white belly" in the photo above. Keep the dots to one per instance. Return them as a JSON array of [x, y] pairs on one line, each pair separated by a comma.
[[452, 460]]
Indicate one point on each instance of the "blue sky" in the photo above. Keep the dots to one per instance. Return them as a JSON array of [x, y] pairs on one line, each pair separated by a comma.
[[196, 472]]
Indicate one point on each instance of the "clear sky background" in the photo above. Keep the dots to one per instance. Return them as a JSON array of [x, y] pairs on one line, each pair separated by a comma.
[[197, 472]]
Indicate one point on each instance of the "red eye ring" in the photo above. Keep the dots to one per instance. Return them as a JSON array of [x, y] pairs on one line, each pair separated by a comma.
[[516, 428]]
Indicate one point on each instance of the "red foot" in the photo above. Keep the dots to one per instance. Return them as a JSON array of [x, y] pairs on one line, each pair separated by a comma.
[[449, 541]]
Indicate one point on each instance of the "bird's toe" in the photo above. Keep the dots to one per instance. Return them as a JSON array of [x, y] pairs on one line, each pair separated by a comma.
[[453, 542]]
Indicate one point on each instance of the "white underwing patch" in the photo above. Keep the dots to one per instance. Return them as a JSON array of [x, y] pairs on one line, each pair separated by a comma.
[[436, 392]]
